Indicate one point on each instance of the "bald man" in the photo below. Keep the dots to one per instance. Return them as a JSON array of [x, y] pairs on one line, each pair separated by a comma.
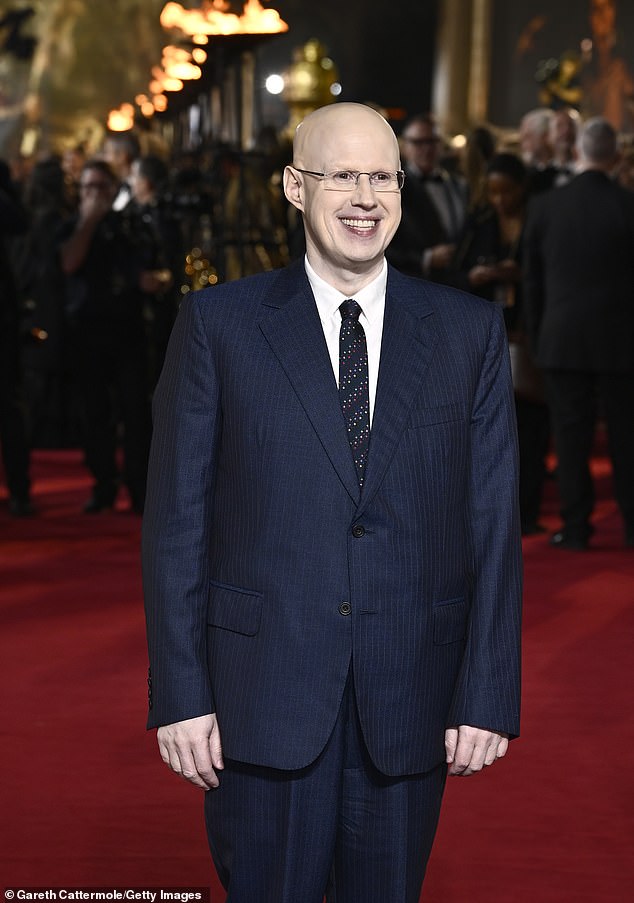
[[332, 545]]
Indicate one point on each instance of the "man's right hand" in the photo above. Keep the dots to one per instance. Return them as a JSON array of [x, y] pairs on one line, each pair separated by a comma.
[[193, 750]]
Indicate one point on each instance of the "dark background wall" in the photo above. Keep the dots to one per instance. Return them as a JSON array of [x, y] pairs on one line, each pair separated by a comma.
[[383, 50]]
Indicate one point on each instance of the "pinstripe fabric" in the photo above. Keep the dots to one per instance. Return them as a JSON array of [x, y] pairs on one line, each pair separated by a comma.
[[338, 826], [255, 532]]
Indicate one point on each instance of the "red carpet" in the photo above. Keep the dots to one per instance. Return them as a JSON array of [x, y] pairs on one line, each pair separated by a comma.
[[87, 801]]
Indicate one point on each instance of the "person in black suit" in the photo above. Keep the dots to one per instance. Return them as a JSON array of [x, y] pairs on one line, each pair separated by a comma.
[[548, 141], [580, 309], [536, 149], [120, 150], [434, 204], [104, 264], [13, 430]]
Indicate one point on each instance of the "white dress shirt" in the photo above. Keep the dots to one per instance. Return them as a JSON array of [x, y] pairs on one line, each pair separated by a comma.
[[371, 300]]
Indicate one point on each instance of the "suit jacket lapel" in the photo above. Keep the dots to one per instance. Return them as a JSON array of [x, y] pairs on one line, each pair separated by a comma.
[[293, 330], [408, 343], [292, 327]]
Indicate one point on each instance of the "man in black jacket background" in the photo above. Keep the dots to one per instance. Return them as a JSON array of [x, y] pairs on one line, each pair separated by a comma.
[[580, 311], [13, 433]]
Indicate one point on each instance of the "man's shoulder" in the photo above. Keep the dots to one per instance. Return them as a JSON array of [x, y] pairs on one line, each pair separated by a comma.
[[424, 297], [250, 291], [591, 194]]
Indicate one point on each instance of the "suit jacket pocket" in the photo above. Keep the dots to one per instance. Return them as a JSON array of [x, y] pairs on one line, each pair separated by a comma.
[[450, 621], [233, 608], [444, 413]]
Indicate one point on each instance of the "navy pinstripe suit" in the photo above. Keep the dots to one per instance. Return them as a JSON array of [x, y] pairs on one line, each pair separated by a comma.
[[255, 532]]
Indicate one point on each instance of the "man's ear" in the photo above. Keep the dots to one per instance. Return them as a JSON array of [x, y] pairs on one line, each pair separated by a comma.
[[293, 188]]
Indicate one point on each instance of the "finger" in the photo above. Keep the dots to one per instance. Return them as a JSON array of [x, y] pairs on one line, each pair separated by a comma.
[[502, 747], [195, 760], [451, 739], [204, 764], [462, 757], [163, 750], [197, 774], [180, 760], [215, 747], [492, 751], [478, 758], [169, 756]]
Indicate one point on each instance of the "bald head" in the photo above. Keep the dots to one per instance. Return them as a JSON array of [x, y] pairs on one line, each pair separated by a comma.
[[319, 133], [348, 224]]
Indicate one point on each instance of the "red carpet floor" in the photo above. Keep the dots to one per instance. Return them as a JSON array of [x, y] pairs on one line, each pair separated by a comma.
[[85, 799]]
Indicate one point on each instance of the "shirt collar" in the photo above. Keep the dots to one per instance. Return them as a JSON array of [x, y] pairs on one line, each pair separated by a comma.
[[371, 298]]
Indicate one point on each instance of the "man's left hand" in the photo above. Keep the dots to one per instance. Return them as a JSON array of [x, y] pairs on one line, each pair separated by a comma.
[[470, 749]]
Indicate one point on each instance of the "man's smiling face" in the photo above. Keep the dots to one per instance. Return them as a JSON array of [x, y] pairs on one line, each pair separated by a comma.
[[346, 230]]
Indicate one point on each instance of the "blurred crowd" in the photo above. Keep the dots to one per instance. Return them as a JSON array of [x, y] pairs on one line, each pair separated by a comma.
[[96, 254]]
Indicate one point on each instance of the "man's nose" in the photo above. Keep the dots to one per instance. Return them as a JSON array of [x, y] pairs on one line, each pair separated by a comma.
[[363, 193]]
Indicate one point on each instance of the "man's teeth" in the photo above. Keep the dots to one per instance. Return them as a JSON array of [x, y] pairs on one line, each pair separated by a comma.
[[360, 223]]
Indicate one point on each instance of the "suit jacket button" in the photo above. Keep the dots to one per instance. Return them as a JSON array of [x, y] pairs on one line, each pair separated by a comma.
[[345, 608], [358, 531]]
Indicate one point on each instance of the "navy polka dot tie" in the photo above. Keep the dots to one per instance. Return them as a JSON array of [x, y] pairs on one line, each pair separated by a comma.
[[354, 393]]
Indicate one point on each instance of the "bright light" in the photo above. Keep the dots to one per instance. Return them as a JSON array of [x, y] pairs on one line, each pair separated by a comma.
[[459, 141], [184, 71], [121, 120], [274, 84], [172, 84], [212, 19], [176, 53], [336, 89]]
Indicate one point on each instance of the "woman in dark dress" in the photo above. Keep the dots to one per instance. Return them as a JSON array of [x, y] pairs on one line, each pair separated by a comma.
[[488, 263]]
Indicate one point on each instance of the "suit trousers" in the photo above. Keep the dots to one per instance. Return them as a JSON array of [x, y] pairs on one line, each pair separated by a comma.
[[14, 442], [111, 369], [573, 397], [533, 433], [338, 828]]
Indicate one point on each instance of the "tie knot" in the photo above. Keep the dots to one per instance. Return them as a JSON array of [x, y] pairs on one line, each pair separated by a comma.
[[349, 308]]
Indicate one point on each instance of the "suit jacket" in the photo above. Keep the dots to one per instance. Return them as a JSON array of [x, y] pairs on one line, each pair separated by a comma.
[[421, 226], [541, 179], [267, 572], [579, 289]]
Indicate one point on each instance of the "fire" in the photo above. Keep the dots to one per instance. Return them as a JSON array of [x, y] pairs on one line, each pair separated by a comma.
[[213, 19]]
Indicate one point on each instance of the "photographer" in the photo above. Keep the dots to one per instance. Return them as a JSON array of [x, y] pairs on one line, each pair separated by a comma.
[[104, 267]]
